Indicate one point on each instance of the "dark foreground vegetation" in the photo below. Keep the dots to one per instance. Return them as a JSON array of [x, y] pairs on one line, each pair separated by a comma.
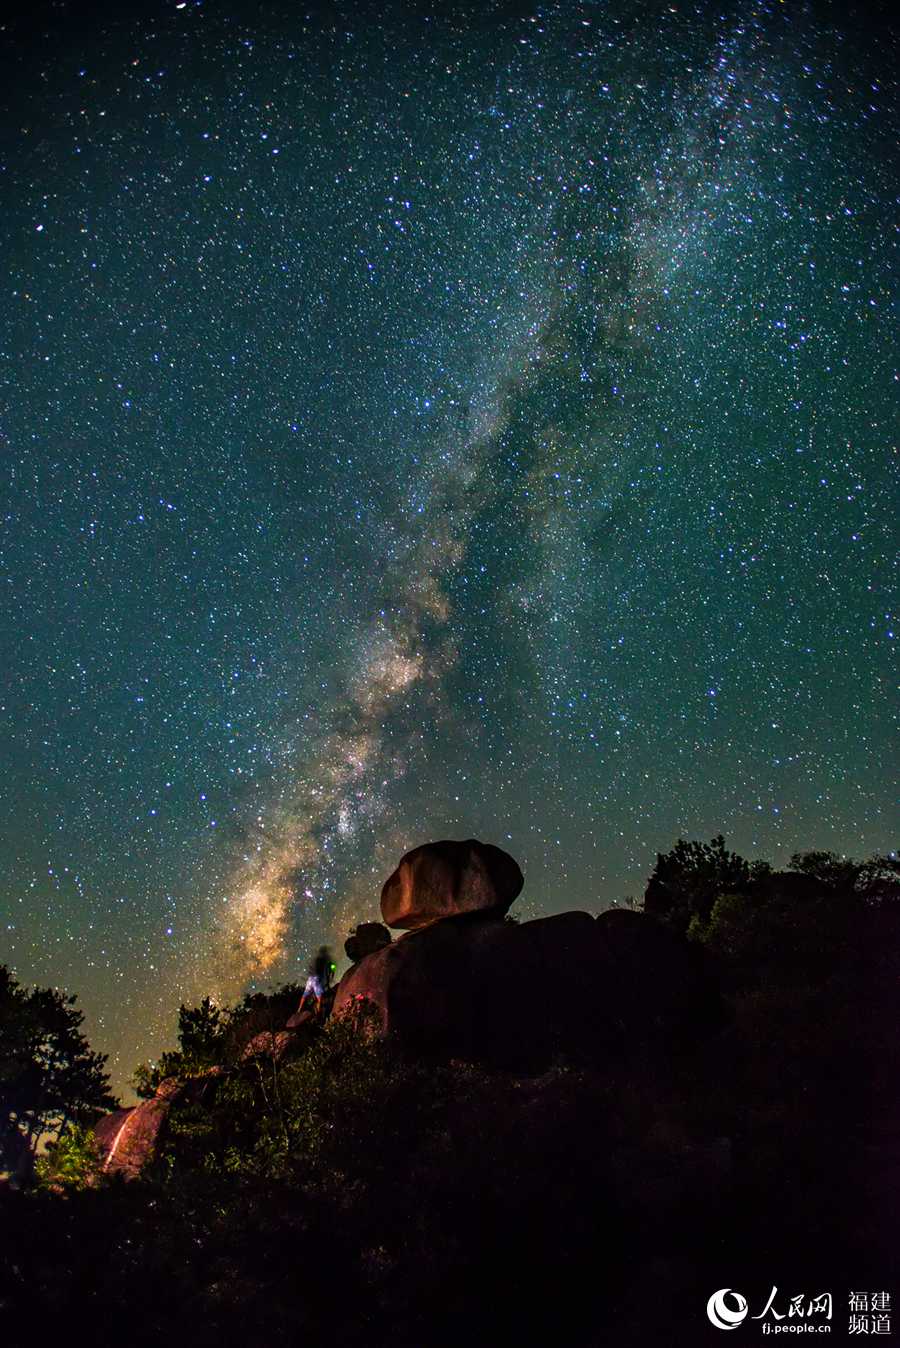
[[354, 1195]]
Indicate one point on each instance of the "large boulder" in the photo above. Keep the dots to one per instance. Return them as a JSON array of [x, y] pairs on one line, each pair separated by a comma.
[[516, 996], [422, 986], [127, 1138], [543, 992], [365, 939], [443, 879], [661, 984], [274, 1044]]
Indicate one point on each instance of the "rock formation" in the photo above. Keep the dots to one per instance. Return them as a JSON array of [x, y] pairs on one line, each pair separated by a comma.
[[127, 1139], [443, 879], [515, 996], [464, 983], [275, 1044], [365, 940]]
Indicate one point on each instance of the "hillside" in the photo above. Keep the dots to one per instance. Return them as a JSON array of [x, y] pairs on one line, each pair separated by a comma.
[[577, 1125]]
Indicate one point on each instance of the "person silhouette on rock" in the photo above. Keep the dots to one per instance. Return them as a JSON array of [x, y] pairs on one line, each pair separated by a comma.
[[319, 980]]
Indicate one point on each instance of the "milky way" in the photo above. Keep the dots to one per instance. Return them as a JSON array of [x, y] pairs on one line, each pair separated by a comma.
[[430, 425]]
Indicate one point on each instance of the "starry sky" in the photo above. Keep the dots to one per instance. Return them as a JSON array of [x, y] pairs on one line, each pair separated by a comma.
[[422, 422]]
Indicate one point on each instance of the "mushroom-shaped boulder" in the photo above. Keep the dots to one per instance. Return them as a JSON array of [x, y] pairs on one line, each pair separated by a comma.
[[444, 879]]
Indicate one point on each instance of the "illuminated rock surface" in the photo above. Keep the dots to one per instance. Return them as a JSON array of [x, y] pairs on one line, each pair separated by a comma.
[[442, 879]]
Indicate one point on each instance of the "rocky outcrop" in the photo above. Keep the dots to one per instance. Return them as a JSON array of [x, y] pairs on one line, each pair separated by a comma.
[[127, 1139], [463, 982], [365, 940], [516, 996], [275, 1044], [664, 990], [444, 879]]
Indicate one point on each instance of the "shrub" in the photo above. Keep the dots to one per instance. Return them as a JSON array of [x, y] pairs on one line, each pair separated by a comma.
[[70, 1163]]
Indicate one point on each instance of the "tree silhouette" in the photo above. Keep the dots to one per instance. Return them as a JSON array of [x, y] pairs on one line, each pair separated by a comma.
[[687, 881], [215, 1036], [876, 881], [49, 1077]]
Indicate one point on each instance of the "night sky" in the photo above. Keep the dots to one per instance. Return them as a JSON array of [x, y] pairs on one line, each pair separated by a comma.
[[428, 423]]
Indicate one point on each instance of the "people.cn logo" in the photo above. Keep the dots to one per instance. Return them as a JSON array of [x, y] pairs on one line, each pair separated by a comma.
[[721, 1314]]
